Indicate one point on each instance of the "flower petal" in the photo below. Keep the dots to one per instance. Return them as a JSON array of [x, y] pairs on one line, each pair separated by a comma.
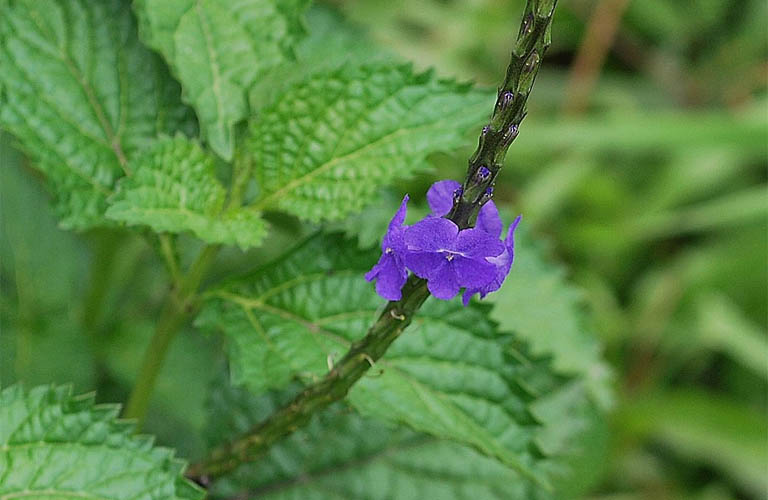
[[440, 196], [478, 243], [503, 264], [399, 217], [467, 295], [375, 270], [391, 280], [488, 219], [444, 284], [425, 264], [431, 234], [473, 273], [394, 236], [509, 242]]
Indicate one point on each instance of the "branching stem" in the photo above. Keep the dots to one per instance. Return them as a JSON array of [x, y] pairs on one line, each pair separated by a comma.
[[179, 305], [533, 39]]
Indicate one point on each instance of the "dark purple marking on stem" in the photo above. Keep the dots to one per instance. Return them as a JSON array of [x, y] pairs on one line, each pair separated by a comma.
[[506, 98], [483, 173]]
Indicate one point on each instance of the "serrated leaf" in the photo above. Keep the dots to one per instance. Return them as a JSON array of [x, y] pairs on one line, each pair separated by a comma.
[[538, 304], [575, 432], [331, 42], [451, 375], [56, 445], [71, 96], [325, 145], [341, 454], [174, 189], [219, 49]]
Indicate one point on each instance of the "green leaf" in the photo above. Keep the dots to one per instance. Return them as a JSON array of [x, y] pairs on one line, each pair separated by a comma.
[[747, 206], [174, 189], [325, 145], [451, 375], [576, 433], [341, 454], [219, 49], [706, 428], [56, 445], [72, 96], [723, 327], [538, 304], [330, 43]]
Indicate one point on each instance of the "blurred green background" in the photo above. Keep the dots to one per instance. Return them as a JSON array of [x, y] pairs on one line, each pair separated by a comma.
[[642, 164]]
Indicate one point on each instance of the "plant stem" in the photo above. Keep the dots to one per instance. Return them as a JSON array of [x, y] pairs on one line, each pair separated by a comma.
[[178, 307], [532, 41], [333, 387], [177, 310], [169, 254]]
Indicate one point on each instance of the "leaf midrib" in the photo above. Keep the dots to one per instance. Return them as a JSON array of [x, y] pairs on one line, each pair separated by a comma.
[[267, 201]]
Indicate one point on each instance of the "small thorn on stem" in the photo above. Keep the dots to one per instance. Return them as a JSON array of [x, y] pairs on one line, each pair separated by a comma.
[[368, 359], [394, 314]]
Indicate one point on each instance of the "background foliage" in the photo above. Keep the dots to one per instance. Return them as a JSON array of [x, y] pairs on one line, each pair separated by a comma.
[[643, 172]]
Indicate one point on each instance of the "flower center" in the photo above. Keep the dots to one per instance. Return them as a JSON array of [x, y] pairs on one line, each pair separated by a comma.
[[448, 256], [388, 250]]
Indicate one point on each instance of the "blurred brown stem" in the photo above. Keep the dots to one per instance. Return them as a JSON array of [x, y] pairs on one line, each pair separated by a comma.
[[600, 33]]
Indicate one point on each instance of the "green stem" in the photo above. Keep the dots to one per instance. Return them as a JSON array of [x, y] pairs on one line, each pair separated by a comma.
[[333, 387], [177, 310], [169, 255], [532, 41], [178, 307]]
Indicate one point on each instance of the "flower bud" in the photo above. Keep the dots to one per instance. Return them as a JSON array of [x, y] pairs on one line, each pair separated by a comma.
[[482, 173]]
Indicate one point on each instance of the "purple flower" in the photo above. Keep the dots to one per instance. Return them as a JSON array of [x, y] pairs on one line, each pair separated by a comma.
[[389, 272], [434, 249], [440, 199], [450, 259], [503, 263]]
